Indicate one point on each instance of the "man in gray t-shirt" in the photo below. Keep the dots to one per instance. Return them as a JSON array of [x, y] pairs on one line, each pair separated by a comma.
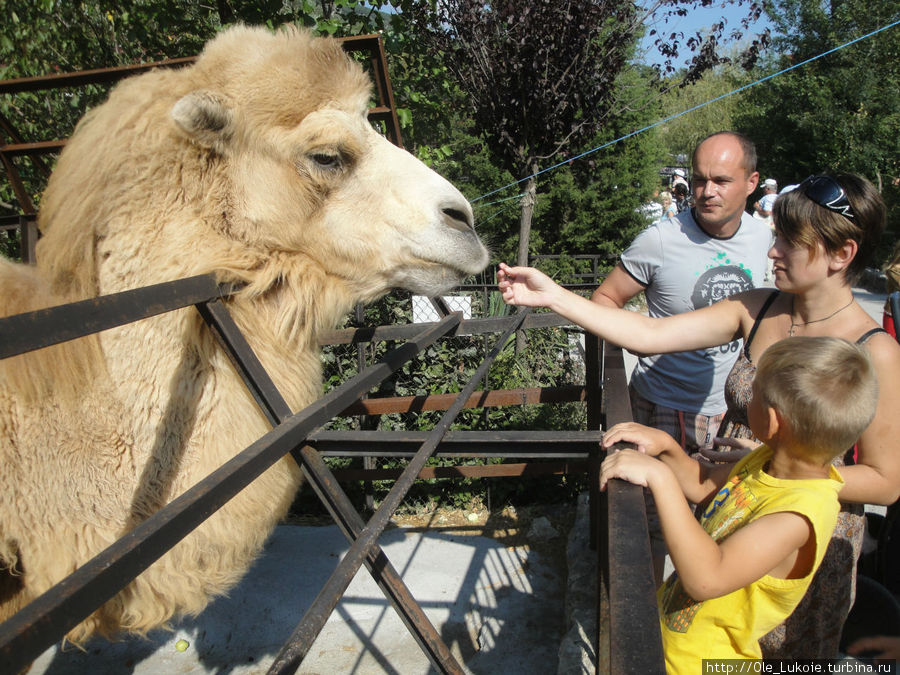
[[682, 269], [685, 263]]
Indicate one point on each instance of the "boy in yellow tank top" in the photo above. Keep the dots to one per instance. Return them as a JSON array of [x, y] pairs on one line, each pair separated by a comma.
[[766, 521]]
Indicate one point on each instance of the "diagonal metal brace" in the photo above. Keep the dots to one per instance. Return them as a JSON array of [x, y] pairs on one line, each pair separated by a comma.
[[326, 486], [295, 650]]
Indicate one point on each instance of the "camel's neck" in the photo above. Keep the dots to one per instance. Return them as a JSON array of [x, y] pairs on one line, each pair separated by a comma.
[[184, 391]]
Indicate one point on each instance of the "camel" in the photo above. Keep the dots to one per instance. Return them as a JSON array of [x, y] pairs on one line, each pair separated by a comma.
[[257, 163]]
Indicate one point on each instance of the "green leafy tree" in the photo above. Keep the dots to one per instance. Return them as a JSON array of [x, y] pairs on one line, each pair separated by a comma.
[[838, 112], [596, 210], [541, 79], [681, 135], [539, 76]]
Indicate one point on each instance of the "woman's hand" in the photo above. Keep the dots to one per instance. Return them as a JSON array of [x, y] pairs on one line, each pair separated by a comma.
[[525, 286]]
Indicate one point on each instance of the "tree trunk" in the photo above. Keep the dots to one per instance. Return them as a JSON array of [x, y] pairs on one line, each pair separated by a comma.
[[525, 236], [525, 218]]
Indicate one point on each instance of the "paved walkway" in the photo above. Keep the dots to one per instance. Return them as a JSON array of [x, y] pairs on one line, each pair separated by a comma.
[[498, 607]]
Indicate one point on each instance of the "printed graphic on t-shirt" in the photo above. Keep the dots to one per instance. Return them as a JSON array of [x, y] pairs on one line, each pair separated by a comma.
[[679, 608], [720, 282]]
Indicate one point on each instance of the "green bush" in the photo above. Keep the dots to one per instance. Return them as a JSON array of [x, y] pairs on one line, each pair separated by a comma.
[[445, 367]]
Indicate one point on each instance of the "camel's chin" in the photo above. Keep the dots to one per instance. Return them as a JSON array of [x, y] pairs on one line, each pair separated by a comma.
[[430, 281]]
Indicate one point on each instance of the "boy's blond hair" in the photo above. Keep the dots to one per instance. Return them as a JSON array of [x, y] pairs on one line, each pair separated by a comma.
[[824, 388]]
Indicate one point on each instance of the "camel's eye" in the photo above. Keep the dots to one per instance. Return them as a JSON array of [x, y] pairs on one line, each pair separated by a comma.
[[326, 161]]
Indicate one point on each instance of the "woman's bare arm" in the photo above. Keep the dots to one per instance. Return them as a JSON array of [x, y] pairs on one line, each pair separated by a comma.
[[875, 478], [707, 327]]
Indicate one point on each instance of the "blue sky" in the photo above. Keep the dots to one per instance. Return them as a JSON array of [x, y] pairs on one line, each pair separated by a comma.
[[701, 19]]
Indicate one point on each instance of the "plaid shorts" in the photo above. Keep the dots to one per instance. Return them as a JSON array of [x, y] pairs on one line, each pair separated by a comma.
[[686, 428], [693, 432]]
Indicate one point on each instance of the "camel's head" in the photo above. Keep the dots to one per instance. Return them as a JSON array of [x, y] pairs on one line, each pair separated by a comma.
[[309, 177]]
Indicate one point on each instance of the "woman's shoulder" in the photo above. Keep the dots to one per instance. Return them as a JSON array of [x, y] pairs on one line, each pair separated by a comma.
[[758, 300], [884, 349]]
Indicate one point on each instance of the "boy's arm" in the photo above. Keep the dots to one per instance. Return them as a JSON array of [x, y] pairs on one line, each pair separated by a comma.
[[708, 569], [769, 545], [698, 481]]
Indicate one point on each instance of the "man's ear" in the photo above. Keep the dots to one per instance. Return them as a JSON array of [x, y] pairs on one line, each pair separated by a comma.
[[752, 182]]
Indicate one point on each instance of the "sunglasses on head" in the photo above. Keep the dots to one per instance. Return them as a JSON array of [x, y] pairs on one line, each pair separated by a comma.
[[826, 191]]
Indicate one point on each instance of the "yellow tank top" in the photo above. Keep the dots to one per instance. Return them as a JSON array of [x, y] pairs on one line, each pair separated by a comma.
[[728, 627]]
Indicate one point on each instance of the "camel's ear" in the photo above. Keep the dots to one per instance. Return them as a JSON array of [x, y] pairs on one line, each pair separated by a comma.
[[204, 117]]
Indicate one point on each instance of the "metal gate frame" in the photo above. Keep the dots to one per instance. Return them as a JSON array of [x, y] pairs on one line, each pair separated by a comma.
[[628, 627]]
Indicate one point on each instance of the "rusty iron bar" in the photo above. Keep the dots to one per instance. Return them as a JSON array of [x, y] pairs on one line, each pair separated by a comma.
[[84, 77], [522, 444], [7, 131], [480, 399], [320, 477], [113, 74], [594, 378], [466, 327], [256, 379], [26, 332], [384, 88], [633, 614], [15, 181], [440, 306], [383, 572], [28, 233], [464, 471], [292, 654], [37, 626], [593, 372]]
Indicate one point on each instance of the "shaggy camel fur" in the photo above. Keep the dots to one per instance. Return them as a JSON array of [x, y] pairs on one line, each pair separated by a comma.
[[258, 164]]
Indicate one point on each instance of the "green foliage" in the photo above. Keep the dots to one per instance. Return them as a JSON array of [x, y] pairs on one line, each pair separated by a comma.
[[446, 367], [840, 112], [681, 135]]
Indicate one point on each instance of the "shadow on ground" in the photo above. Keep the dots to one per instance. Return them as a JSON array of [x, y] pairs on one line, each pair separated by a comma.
[[497, 602]]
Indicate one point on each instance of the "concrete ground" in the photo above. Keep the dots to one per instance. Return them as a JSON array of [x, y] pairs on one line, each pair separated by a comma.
[[498, 606]]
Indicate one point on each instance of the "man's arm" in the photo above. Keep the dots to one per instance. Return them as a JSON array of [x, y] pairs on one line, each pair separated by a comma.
[[618, 288], [706, 568]]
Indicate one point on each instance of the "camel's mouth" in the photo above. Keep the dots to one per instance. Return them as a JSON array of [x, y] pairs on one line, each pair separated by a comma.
[[432, 279]]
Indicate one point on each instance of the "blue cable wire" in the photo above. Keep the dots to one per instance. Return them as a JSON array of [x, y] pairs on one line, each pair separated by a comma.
[[696, 107]]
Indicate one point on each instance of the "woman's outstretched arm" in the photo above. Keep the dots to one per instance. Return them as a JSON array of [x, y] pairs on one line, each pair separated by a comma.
[[707, 327]]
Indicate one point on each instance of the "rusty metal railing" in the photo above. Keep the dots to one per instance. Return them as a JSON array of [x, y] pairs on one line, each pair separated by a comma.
[[626, 604]]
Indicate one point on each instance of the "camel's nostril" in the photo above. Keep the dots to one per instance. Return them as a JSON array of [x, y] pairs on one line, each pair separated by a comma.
[[458, 219]]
